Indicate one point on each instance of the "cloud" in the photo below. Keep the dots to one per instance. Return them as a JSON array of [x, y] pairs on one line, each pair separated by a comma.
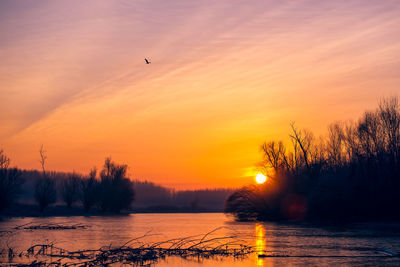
[[215, 63]]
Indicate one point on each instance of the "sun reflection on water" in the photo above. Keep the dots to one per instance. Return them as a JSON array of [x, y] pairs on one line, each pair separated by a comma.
[[260, 243]]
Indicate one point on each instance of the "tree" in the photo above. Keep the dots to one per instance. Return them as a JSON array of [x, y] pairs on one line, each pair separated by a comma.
[[45, 192], [335, 145], [69, 189], [88, 190], [354, 172], [45, 187], [10, 182], [389, 115], [115, 191], [303, 140], [43, 158], [10, 186], [4, 160], [275, 156]]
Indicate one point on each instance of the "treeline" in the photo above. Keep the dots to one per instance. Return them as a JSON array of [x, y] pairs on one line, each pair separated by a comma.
[[58, 193], [353, 173], [155, 198], [109, 191]]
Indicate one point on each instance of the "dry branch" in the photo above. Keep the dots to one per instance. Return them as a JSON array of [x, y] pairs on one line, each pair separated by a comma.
[[192, 247]]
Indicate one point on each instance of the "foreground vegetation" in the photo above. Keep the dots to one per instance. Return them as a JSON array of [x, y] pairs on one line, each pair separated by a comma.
[[353, 173], [135, 252]]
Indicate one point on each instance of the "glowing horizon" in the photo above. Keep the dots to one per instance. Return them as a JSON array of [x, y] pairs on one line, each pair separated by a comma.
[[225, 77]]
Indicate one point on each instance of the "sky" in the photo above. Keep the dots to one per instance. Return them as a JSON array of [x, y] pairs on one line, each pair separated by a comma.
[[225, 76]]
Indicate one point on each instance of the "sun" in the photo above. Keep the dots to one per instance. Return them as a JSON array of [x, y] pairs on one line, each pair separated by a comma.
[[260, 178]]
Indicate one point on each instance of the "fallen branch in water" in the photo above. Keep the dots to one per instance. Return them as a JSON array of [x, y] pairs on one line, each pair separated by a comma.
[[51, 226], [325, 256], [138, 253]]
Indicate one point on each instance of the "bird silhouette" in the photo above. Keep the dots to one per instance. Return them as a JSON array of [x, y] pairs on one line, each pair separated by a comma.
[[147, 61]]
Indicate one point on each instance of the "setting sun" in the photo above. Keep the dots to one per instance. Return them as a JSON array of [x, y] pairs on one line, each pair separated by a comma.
[[260, 178]]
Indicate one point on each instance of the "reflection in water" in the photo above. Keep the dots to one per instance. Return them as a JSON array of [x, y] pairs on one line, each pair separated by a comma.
[[260, 243], [357, 244]]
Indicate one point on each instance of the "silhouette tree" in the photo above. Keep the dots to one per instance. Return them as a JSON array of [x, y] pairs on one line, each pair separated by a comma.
[[10, 182], [115, 191], [4, 160], [42, 160], [45, 192], [352, 173], [45, 187], [69, 189], [88, 190]]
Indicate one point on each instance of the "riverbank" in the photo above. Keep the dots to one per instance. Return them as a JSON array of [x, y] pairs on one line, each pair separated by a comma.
[[29, 210]]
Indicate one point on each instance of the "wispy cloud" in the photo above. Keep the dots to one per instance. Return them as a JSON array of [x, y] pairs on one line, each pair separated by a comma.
[[216, 65]]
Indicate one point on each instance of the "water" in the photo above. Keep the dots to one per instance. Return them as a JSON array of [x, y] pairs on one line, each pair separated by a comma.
[[352, 245]]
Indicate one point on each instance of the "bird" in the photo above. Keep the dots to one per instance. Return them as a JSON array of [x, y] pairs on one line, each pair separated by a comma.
[[147, 61]]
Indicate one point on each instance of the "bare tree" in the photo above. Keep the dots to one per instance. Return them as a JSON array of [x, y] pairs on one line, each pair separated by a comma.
[[69, 189], [389, 114], [355, 170], [302, 139], [10, 182], [88, 190], [45, 192], [43, 158], [45, 187], [335, 144], [275, 155], [4, 160], [351, 143], [10, 186]]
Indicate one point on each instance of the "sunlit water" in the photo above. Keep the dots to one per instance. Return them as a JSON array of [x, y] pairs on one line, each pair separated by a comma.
[[353, 245]]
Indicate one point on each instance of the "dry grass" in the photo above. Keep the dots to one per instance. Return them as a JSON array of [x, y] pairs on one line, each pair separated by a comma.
[[135, 252]]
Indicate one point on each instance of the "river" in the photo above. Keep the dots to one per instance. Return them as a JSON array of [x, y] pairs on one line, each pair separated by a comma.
[[291, 244]]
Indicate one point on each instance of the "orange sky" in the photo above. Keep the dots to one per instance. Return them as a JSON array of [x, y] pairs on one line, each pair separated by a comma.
[[225, 76]]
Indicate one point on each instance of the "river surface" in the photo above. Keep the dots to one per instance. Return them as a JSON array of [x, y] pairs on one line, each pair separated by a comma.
[[291, 244]]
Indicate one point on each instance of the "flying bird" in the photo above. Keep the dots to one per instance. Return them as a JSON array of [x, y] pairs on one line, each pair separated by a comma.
[[147, 61]]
